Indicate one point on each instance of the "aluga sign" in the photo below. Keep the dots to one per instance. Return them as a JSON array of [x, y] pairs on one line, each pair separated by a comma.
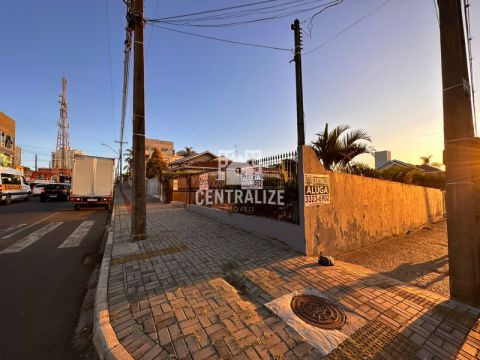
[[317, 189], [240, 197]]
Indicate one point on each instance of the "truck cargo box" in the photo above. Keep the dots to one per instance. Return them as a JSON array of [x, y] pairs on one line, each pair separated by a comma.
[[92, 181]]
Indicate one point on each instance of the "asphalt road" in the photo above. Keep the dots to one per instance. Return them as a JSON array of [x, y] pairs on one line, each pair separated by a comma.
[[42, 285]]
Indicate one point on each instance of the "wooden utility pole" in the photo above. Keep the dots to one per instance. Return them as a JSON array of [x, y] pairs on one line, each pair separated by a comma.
[[139, 211], [460, 149], [299, 83]]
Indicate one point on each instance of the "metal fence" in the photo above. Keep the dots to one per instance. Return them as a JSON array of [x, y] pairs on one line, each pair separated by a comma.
[[155, 188], [265, 187]]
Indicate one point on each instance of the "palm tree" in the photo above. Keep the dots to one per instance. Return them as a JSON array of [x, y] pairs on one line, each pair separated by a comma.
[[188, 151], [426, 159], [336, 148]]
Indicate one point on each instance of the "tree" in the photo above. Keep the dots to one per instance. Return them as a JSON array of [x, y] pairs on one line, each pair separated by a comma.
[[156, 165], [337, 148], [426, 159], [188, 151], [362, 169]]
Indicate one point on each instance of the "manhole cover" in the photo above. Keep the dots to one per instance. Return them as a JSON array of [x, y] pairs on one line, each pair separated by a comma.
[[318, 312]]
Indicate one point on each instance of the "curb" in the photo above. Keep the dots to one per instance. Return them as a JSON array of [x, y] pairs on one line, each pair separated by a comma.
[[104, 337]]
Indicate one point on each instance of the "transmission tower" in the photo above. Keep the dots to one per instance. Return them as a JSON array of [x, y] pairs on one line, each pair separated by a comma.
[[63, 137]]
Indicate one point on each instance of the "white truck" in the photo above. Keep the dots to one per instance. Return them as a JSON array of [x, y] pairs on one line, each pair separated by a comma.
[[92, 181]]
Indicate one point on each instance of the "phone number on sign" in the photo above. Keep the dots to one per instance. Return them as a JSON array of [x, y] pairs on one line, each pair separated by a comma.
[[317, 199]]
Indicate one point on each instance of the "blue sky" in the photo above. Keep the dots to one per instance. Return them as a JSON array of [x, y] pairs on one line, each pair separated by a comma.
[[382, 75]]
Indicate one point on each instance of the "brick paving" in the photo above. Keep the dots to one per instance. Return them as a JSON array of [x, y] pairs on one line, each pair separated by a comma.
[[197, 288], [419, 258]]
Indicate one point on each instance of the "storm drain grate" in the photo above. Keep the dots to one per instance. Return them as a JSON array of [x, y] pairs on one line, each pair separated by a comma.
[[375, 341], [318, 311], [147, 255]]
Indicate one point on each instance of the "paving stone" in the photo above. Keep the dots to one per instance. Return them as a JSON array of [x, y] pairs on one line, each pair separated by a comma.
[[204, 298]]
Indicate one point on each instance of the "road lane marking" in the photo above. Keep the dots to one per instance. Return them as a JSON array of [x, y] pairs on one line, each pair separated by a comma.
[[10, 228], [29, 226], [78, 235], [31, 238]]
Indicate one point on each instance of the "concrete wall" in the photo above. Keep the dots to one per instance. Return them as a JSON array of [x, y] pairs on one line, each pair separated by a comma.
[[364, 211], [290, 234]]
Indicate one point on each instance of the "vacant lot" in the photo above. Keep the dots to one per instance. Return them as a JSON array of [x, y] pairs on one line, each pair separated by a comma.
[[420, 258]]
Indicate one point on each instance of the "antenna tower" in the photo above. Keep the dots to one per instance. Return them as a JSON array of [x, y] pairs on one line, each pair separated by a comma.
[[63, 137]]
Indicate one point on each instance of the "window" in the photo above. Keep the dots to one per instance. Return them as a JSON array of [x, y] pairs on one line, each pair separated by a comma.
[[10, 179], [8, 142]]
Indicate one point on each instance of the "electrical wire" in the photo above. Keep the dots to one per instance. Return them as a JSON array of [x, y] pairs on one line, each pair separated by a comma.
[[435, 5], [466, 4], [260, 10], [151, 30], [222, 40], [238, 23], [110, 63], [310, 21], [378, 8], [126, 77], [217, 10]]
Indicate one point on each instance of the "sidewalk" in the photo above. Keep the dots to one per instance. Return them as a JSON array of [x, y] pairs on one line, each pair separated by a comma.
[[419, 258], [197, 289]]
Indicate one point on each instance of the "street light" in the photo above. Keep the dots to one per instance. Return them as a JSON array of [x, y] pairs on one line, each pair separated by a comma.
[[115, 151]]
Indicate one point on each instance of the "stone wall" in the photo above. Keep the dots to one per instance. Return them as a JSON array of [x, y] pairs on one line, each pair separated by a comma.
[[363, 211]]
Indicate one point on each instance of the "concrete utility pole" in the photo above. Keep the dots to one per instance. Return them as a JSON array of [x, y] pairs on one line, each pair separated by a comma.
[[36, 162], [120, 159], [139, 210], [460, 149], [299, 83]]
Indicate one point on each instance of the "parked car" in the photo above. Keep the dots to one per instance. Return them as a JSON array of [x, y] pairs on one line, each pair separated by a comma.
[[13, 185], [55, 192], [37, 189]]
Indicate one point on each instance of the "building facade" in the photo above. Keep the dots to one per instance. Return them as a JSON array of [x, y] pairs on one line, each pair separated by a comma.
[[165, 147], [382, 157], [69, 156], [7, 140], [17, 161]]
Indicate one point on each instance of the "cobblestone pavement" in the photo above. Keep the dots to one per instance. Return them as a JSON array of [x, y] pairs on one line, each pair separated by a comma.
[[196, 289], [419, 258]]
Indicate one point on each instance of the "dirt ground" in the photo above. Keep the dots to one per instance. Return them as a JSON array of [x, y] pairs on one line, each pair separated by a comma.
[[419, 258]]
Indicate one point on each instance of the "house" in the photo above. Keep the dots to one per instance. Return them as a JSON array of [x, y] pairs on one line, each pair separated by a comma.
[[429, 169], [400, 164], [201, 162]]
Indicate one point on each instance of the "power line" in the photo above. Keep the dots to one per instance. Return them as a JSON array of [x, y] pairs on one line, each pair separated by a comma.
[[248, 12], [238, 23], [310, 22], [378, 8], [126, 77], [151, 30], [470, 59], [218, 10], [435, 5], [222, 40], [110, 63]]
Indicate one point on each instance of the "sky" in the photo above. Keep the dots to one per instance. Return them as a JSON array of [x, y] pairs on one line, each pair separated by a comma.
[[382, 75]]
